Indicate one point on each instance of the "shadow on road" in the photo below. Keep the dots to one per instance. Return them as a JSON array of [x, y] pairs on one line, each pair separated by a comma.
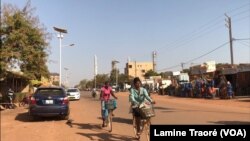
[[207, 111], [89, 126], [102, 135], [161, 108], [107, 137], [232, 122], [244, 100], [24, 117], [122, 120]]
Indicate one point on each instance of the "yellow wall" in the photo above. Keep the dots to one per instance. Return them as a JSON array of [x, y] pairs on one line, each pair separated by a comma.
[[138, 69]]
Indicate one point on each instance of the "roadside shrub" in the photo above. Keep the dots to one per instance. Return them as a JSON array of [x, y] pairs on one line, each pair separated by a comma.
[[19, 96]]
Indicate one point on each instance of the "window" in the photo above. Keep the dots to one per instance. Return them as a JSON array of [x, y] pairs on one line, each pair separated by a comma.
[[129, 66], [50, 91], [72, 90], [143, 71]]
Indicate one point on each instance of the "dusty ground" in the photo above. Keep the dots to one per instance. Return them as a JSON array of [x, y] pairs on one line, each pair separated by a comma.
[[86, 122]]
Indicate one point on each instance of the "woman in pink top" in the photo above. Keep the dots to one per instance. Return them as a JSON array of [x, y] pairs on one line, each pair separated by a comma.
[[106, 91]]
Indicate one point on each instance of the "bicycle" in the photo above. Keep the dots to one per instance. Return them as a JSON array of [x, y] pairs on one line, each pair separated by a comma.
[[146, 112], [111, 106], [9, 104]]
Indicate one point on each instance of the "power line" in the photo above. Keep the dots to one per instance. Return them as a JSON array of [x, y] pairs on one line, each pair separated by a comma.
[[207, 53], [241, 13], [244, 44], [169, 68], [194, 38], [192, 34], [242, 39], [196, 58], [242, 18], [244, 5], [200, 31], [247, 45]]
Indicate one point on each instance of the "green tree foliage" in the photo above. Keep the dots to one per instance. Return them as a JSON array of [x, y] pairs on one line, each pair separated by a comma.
[[24, 42], [151, 73], [113, 74], [83, 84], [124, 78], [186, 71], [101, 78]]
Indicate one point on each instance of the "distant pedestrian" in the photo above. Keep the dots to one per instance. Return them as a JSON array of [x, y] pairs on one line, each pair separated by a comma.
[[223, 87], [229, 90], [10, 98], [106, 92]]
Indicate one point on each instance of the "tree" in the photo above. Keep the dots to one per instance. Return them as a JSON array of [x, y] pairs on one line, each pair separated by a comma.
[[82, 84], [113, 74], [123, 78], [24, 42], [100, 79], [151, 73], [186, 71]]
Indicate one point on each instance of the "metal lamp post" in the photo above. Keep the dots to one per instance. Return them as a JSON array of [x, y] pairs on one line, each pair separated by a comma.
[[116, 73], [60, 36], [66, 83]]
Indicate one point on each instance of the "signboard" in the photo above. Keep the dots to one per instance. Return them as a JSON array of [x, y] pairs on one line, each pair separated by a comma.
[[176, 73], [210, 66]]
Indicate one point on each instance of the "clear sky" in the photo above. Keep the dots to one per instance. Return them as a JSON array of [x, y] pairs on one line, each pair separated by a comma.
[[178, 30]]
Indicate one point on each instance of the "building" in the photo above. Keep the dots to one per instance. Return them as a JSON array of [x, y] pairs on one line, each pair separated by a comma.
[[238, 75], [17, 81], [138, 69]]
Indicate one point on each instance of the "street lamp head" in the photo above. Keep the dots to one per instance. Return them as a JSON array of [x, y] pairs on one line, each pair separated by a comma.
[[70, 45], [115, 61], [61, 30]]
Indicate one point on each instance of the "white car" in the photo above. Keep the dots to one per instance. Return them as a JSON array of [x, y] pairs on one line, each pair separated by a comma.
[[73, 94], [113, 89]]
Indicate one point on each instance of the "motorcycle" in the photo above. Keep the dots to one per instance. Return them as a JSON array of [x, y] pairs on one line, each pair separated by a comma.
[[94, 93]]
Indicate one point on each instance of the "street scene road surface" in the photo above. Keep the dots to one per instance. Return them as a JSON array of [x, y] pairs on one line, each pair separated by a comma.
[[57, 57], [85, 118]]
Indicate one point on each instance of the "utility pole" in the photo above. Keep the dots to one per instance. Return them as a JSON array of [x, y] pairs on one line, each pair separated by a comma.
[[182, 66], [95, 70], [154, 63], [114, 67], [66, 77], [135, 69], [229, 26]]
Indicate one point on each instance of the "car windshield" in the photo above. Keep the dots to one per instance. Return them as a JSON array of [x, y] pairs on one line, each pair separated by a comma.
[[51, 92], [72, 90]]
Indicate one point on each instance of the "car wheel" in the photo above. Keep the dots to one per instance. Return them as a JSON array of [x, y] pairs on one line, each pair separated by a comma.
[[65, 117]]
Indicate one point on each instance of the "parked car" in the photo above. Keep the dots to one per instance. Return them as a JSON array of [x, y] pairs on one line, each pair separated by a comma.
[[73, 93], [114, 88], [49, 101]]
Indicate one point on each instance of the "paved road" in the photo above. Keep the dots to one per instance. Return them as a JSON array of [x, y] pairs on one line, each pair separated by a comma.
[[86, 121]]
